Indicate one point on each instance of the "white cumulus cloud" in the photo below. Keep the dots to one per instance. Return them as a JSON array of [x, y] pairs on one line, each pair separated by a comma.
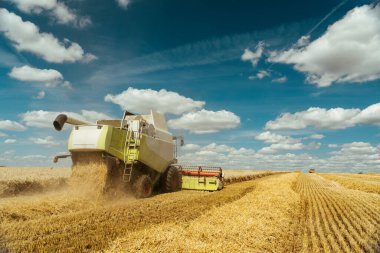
[[316, 136], [205, 121], [356, 148], [334, 118], [255, 56], [10, 141], [282, 79], [144, 100], [11, 125], [50, 77], [369, 115], [190, 147], [348, 52], [25, 36], [123, 3], [48, 141], [269, 137], [40, 95], [281, 146], [260, 75], [282, 142], [352, 157], [44, 119], [56, 9]]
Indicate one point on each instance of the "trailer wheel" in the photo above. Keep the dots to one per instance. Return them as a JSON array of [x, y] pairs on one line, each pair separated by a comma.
[[143, 187], [173, 180]]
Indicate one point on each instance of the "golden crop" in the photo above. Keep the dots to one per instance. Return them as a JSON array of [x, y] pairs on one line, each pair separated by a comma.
[[337, 219], [291, 212], [258, 221], [14, 181], [362, 182]]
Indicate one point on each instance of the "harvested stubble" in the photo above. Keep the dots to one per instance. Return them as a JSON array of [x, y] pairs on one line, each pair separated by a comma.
[[38, 206], [362, 182], [336, 219], [15, 181], [95, 227], [260, 221]]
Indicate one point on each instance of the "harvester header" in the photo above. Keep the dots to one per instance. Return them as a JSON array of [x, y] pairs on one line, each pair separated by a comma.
[[201, 177]]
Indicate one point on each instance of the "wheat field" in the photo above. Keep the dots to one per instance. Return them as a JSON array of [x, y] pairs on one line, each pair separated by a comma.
[[16, 181], [337, 219], [256, 212], [364, 182]]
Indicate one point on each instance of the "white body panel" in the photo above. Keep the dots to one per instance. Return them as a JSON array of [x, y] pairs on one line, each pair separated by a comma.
[[85, 137]]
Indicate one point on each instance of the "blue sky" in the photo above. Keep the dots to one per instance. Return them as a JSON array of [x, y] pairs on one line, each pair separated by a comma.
[[263, 85]]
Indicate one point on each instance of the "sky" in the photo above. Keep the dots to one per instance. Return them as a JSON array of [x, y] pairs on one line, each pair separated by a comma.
[[248, 84]]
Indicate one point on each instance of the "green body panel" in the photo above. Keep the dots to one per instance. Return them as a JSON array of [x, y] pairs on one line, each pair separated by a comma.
[[116, 144], [105, 137], [153, 152], [200, 183]]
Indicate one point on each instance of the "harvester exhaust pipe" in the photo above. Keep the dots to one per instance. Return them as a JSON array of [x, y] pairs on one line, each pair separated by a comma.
[[61, 119]]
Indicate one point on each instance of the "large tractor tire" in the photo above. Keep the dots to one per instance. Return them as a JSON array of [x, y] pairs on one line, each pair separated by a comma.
[[172, 180], [143, 187]]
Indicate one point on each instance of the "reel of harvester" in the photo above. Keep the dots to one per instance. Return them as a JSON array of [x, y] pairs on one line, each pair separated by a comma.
[[201, 177]]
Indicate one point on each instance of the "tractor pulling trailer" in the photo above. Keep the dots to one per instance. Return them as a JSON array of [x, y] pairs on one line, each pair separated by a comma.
[[138, 151]]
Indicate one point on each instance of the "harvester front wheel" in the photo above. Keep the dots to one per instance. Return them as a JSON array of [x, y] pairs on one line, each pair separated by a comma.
[[143, 187], [173, 180]]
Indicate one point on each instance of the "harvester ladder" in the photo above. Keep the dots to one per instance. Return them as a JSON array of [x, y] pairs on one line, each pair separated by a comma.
[[135, 136], [127, 174]]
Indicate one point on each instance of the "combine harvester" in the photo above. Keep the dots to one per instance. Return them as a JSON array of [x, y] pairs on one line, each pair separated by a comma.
[[139, 151]]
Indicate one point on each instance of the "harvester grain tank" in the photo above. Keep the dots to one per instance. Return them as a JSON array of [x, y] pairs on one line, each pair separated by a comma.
[[138, 149]]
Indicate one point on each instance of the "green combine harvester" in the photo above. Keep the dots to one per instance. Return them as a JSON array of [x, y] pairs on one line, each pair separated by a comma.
[[138, 150]]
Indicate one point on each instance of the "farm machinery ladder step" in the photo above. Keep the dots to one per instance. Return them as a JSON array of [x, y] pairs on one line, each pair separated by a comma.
[[132, 141], [127, 173]]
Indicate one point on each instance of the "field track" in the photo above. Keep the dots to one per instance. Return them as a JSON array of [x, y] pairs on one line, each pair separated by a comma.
[[337, 219]]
